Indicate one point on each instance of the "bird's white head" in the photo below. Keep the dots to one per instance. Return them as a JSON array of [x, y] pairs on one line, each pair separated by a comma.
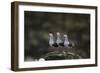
[[65, 35], [50, 34], [58, 33]]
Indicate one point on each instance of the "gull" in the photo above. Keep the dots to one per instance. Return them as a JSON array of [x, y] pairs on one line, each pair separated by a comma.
[[52, 42], [59, 40], [66, 42]]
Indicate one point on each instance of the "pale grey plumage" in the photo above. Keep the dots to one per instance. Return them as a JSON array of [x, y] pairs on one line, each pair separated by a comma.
[[66, 42], [58, 41], [51, 39]]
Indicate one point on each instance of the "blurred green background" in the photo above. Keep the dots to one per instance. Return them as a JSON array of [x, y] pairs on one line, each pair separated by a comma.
[[39, 24]]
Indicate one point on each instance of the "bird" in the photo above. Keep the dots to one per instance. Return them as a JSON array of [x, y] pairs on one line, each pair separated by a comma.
[[52, 42], [59, 40], [66, 42]]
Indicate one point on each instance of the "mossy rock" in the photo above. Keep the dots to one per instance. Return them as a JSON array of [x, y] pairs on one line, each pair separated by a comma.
[[56, 55]]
